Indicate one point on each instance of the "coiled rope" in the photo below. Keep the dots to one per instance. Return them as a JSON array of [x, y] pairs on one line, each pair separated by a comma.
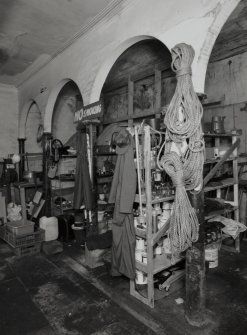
[[184, 166]]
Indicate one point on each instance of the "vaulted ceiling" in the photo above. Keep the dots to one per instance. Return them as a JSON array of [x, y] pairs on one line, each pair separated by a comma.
[[31, 31]]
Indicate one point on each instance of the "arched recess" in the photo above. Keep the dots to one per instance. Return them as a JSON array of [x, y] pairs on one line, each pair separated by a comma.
[[51, 104], [23, 118], [110, 60], [68, 101], [223, 10], [226, 75], [33, 121]]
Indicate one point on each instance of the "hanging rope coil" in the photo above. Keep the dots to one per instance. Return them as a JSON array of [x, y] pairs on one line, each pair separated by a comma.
[[183, 149], [183, 222]]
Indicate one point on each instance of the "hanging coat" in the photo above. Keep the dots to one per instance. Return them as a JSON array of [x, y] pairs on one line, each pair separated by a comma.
[[122, 193], [83, 186]]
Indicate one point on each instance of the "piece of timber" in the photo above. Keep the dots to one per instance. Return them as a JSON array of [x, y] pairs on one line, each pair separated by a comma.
[[221, 162], [156, 200], [224, 183], [155, 238]]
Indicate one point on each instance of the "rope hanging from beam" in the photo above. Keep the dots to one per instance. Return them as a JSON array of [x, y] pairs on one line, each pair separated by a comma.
[[183, 150]]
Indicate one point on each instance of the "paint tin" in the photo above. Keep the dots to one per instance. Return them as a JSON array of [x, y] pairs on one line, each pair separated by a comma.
[[211, 255], [141, 256], [141, 278], [144, 258], [138, 255], [140, 243], [158, 250]]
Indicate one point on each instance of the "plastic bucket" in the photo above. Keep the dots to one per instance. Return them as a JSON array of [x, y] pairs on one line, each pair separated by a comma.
[[50, 226]]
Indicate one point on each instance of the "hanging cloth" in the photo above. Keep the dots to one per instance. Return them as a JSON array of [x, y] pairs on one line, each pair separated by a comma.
[[83, 186], [122, 193]]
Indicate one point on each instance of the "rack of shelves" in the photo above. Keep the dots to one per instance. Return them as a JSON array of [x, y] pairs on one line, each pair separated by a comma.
[[104, 174], [155, 263], [230, 157], [62, 186], [61, 190]]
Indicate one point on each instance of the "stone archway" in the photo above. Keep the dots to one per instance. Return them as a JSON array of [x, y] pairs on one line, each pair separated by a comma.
[[51, 103], [223, 12], [110, 60], [23, 118]]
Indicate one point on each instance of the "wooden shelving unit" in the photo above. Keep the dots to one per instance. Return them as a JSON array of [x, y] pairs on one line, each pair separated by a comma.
[[155, 263], [62, 186], [227, 182]]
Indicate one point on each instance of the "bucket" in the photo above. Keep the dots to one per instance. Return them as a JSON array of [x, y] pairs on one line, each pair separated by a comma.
[[141, 256], [100, 216], [211, 255], [80, 235], [140, 245], [141, 278], [50, 226]]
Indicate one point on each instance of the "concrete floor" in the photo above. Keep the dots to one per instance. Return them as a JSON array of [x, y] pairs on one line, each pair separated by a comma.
[[59, 295]]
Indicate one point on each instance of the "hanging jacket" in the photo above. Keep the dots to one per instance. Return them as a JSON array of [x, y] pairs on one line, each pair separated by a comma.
[[122, 193]]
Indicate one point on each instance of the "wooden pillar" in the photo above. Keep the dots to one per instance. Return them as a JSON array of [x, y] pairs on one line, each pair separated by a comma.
[[157, 85], [195, 269], [46, 180], [195, 265], [130, 102], [21, 142]]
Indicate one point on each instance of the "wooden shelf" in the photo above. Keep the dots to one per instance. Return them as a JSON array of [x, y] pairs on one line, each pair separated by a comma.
[[64, 179], [105, 175], [62, 190], [155, 200], [69, 156], [160, 263], [225, 183], [105, 154], [222, 135], [24, 184], [223, 211], [216, 160]]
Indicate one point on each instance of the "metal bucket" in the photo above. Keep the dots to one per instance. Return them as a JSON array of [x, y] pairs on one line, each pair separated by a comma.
[[154, 123], [217, 125]]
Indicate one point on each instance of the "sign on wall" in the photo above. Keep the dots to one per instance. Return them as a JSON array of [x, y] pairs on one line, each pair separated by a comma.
[[89, 112]]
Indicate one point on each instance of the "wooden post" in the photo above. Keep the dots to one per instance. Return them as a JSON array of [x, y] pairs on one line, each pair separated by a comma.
[[195, 269], [21, 142], [92, 140], [46, 180], [195, 264], [130, 102], [157, 85]]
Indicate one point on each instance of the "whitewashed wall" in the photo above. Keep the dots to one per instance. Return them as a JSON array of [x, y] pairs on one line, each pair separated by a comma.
[[227, 79], [9, 113], [62, 123], [88, 59]]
